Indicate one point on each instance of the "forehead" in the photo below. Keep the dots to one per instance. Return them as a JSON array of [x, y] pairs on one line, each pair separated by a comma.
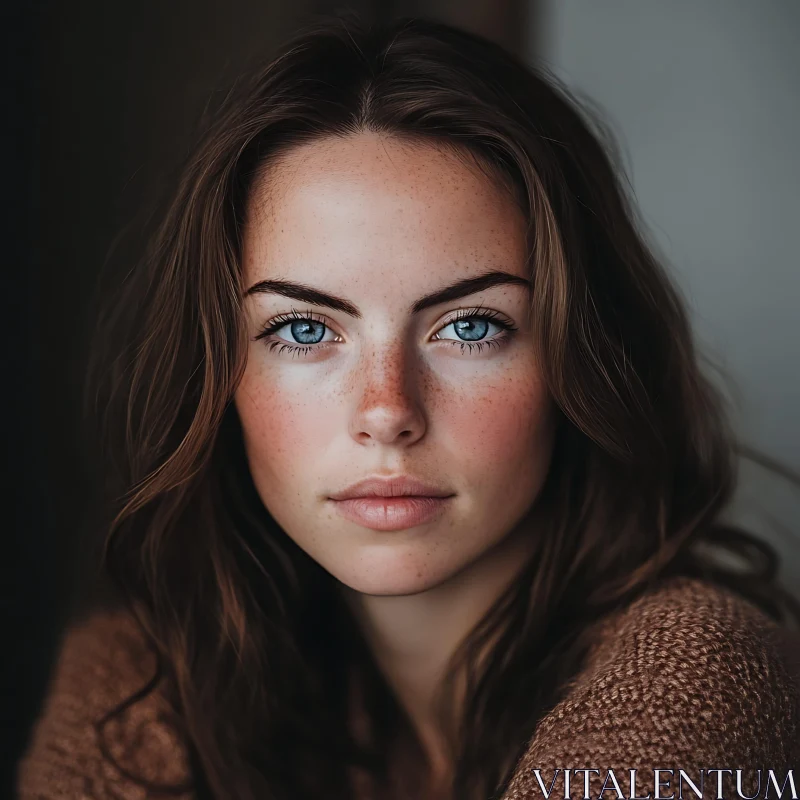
[[373, 208]]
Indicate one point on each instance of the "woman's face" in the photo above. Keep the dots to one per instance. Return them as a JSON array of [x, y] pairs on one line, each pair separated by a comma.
[[352, 375]]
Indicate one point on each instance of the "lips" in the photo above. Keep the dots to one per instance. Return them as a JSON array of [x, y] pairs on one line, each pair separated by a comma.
[[397, 486], [390, 504], [391, 513]]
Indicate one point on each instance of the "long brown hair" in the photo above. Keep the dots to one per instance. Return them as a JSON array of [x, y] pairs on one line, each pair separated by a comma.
[[255, 650]]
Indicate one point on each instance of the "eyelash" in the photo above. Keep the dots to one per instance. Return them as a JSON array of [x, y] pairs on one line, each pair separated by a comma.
[[276, 323]]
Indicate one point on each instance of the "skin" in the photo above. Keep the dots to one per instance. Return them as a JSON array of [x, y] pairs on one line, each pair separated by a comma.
[[381, 222]]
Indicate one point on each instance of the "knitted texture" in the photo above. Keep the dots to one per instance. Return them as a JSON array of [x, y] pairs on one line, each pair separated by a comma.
[[689, 676], [103, 660]]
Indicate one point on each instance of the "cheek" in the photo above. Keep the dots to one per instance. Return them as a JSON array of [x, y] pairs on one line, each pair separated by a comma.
[[501, 435], [501, 419], [284, 431]]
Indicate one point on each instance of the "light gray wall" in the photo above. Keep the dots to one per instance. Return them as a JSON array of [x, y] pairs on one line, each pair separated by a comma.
[[706, 99]]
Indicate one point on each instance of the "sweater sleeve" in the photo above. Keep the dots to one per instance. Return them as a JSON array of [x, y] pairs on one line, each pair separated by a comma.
[[102, 661], [689, 677]]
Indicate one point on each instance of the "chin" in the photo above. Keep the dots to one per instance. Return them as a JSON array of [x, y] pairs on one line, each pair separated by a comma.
[[391, 576]]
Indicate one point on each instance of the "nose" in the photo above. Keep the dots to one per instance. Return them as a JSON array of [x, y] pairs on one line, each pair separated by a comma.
[[389, 408]]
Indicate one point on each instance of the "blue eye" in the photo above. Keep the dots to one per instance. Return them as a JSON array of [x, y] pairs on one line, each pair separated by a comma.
[[469, 330], [305, 331], [472, 327], [295, 332]]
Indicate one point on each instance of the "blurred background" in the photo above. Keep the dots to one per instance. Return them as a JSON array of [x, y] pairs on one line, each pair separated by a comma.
[[102, 100]]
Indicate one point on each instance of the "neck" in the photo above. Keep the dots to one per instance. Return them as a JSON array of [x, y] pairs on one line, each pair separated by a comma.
[[413, 637]]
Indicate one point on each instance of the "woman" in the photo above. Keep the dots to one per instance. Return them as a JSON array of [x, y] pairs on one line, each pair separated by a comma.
[[422, 481]]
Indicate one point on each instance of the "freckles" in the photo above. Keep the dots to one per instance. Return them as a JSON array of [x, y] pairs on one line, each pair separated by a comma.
[[273, 420], [287, 429], [496, 422]]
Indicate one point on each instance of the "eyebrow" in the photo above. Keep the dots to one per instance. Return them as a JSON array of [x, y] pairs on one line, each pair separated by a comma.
[[461, 288]]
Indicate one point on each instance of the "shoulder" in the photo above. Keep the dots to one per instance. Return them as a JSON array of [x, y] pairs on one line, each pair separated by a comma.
[[689, 675], [102, 661]]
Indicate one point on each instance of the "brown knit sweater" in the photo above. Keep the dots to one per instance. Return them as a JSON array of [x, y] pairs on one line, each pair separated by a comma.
[[689, 676]]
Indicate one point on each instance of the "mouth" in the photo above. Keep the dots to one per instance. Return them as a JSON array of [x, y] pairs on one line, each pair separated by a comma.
[[383, 513], [391, 486], [391, 503]]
